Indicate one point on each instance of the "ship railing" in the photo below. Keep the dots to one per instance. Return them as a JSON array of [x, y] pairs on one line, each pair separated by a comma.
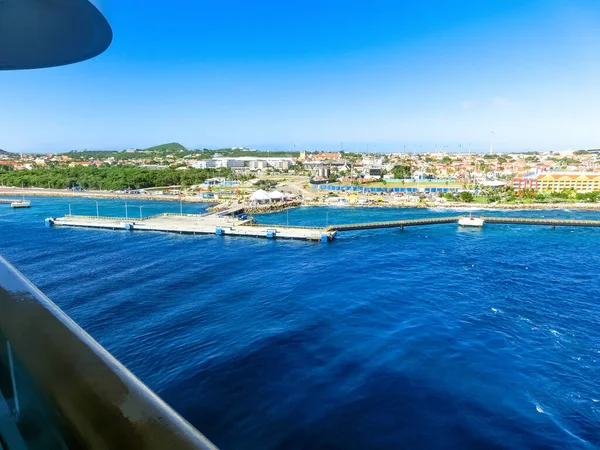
[[60, 389]]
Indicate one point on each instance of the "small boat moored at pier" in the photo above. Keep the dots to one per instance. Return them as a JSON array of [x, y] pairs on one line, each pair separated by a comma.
[[21, 204], [471, 222]]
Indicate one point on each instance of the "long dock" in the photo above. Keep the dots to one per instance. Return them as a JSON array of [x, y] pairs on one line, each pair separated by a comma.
[[242, 225], [392, 224], [439, 220], [547, 222], [10, 200], [197, 224]]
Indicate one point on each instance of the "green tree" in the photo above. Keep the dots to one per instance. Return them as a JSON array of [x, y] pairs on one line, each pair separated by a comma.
[[402, 172], [110, 178], [466, 196]]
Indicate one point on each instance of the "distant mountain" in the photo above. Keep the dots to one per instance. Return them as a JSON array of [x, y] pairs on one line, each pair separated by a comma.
[[173, 146], [4, 152]]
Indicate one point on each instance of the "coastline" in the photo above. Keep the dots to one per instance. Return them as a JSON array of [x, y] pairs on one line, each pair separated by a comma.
[[8, 192], [468, 206], [275, 207], [472, 206]]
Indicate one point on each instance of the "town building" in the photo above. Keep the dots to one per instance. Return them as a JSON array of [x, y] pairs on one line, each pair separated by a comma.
[[579, 182], [526, 181], [559, 181]]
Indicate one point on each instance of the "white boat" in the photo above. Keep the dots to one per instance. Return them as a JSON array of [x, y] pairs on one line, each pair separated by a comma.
[[21, 204], [470, 222]]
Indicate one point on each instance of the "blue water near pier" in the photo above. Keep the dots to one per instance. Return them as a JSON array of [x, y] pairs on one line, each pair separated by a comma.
[[431, 337]]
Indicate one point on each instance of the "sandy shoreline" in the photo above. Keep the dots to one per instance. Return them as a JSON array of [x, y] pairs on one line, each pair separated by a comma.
[[7, 192], [16, 192]]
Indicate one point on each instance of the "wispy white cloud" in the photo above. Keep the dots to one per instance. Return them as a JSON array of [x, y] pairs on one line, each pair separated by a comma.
[[502, 102], [466, 105]]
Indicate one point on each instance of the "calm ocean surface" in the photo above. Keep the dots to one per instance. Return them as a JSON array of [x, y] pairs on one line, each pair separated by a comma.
[[430, 337]]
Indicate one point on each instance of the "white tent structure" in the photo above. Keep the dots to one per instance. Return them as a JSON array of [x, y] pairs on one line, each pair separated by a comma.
[[260, 196], [276, 196]]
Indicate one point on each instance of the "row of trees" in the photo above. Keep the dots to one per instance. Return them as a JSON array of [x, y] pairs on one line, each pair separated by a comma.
[[464, 196], [506, 194], [108, 178], [566, 194]]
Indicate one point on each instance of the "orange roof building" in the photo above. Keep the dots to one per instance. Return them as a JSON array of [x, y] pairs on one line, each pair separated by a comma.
[[579, 182]]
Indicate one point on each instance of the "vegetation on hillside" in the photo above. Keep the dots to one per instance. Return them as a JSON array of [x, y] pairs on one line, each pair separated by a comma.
[[177, 150], [108, 178], [172, 146]]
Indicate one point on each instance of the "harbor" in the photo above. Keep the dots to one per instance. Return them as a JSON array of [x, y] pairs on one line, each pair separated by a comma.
[[236, 222]]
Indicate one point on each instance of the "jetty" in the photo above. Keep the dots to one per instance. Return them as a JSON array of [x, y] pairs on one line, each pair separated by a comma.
[[234, 222], [392, 224], [440, 220], [545, 222], [216, 224], [16, 203]]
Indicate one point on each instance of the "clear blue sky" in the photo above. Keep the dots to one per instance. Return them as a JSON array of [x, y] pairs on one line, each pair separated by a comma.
[[271, 74]]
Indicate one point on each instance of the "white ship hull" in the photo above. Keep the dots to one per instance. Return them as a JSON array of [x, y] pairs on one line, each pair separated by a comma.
[[23, 204], [470, 222]]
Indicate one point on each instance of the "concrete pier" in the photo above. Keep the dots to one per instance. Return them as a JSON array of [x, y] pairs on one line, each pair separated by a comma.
[[392, 224], [9, 200], [440, 220], [197, 224], [547, 222]]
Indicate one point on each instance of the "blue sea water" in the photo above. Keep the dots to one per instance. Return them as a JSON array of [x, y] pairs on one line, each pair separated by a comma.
[[431, 337]]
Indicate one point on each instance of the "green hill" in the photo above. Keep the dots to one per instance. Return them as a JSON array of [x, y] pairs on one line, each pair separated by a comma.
[[173, 146], [4, 152]]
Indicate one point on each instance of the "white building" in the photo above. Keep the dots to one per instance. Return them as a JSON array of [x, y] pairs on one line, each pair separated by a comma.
[[251, 162], [259, 164], [229, 162], [205, 164]]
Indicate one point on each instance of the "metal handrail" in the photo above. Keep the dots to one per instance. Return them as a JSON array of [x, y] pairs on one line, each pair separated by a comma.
[[279, 225], [391, 224], [102, 405], [535, 221]]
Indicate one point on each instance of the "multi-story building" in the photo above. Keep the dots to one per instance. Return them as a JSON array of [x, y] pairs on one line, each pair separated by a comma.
[[526, 181], [274, 163], [258, 164], [559, 181], [579, 182], [204, 164], [229, 162]]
